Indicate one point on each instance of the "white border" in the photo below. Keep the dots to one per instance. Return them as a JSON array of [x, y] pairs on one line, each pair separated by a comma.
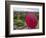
[[25, 31]]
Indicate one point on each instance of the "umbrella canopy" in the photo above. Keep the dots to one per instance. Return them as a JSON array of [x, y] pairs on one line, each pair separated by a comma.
[[31, 20]]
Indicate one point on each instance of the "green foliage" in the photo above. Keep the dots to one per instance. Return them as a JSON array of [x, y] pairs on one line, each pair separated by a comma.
[[19, 23]]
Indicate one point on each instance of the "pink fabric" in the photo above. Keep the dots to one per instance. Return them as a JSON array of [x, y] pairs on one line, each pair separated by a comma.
[[31, 20]]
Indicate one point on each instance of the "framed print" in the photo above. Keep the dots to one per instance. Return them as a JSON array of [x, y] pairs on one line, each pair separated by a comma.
[[24, 18]]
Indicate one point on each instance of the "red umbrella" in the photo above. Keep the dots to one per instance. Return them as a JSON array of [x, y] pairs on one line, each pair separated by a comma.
[[31, 20]]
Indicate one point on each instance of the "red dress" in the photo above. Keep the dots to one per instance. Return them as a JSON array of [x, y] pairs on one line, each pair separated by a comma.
[[31, 20]]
